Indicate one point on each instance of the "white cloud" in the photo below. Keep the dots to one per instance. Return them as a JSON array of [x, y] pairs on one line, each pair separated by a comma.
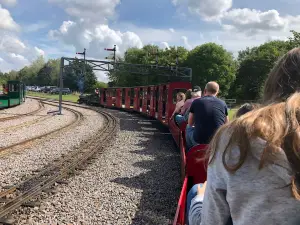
[[207, 9], [35, 26], [95, 38], [186, 43], [165, 45], [6, 21], [101, 76], [8, 3], [11, 44], [254, 20], [39, 52], [1, 60], [95, 10], [172, 30]]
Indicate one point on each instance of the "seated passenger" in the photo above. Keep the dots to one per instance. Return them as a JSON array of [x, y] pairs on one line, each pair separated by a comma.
[[254, 164], [196, 193], [180, 97], [247, 107], [180, 118], [206, 115]]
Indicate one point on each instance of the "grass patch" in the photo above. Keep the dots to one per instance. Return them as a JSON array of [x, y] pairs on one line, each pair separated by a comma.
[[231, 114], [71, 97]]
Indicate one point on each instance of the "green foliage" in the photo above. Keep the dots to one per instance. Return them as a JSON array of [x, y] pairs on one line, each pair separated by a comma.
[[211, 62], [254, 66], [100, 84], [147, 56], [43, 73]]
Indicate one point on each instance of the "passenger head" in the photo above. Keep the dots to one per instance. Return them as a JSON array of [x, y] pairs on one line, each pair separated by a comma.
[[196, 92], [211, 88], [284, 78], [188, 94], [180, 96], [277, 122], [247, 107]]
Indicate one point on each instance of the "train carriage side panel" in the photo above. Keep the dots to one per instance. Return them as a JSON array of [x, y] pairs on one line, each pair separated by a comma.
[[160, 103], [152, 101], [136, 102], [109, 101], [4, 101], [118, 99], [103, 96], [180, 212], [127, 98], [144, 99]]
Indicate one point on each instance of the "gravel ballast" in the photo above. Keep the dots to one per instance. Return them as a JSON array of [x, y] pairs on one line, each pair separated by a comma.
[[36, 129], [28, 106], [42, 152], [134, 181]]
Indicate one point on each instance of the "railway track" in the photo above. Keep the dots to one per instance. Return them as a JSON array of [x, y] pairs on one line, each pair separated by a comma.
[[40, 108], [20, 145], [53, 173]]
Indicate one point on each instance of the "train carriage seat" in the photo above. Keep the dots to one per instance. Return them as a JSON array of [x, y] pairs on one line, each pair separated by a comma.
[[196, 164], [182, 126]]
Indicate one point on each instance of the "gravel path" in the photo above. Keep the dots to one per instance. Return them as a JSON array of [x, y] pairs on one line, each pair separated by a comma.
[[14, 167], [135, 181], [17, 122], [43, 127], [28, 106]]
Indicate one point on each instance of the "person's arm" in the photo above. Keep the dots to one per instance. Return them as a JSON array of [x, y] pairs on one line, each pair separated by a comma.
[[191, 115], [191, 119], [212, 208]]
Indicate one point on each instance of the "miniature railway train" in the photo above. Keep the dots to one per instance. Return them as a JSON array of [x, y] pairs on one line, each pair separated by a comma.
[[158, 101], [13, 94]]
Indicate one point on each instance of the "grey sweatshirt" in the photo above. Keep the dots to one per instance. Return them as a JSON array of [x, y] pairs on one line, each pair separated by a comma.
[[250, 196]]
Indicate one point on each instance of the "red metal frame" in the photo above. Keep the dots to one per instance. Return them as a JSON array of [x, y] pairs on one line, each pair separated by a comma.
[[118, 99], [127, 98], [180, 212], [136, 100], [196, 164], [160, 103], [152, 101], [109, 100], [144, 100]]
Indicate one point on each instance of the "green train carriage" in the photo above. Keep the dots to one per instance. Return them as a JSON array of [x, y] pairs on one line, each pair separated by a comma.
[[14, 93]]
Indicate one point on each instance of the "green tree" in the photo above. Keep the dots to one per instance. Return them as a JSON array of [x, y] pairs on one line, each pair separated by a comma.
[[211, 62], [254, 66], [148, 55], [74, 73], [100, 84]]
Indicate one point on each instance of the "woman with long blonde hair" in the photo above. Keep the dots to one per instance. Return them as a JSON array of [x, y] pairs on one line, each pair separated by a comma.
[[254, 161]]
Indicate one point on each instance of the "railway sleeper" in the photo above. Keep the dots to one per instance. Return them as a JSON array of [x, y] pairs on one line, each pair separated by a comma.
[[62, 182], [7, 221], [31, 204]]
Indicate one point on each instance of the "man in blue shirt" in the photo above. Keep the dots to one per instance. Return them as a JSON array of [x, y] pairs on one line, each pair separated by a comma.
[[207, 114]]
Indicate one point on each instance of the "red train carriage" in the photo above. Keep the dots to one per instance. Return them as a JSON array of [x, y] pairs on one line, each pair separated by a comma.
[[158, 101]]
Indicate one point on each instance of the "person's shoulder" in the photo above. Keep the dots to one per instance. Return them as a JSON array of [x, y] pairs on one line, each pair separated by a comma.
[[221, 101]]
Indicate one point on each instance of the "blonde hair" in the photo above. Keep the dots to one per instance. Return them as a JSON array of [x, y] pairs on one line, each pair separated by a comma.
[[277, 122]]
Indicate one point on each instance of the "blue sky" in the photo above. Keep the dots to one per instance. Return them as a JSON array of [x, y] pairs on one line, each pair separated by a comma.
[[56, 28]]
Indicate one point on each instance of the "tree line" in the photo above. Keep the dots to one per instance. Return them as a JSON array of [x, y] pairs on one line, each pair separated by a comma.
[[41, 73], [239, 78]]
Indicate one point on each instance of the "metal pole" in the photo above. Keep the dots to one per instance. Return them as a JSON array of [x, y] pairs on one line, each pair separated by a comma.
[[83, 71], [115, 48], [61, 84]]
